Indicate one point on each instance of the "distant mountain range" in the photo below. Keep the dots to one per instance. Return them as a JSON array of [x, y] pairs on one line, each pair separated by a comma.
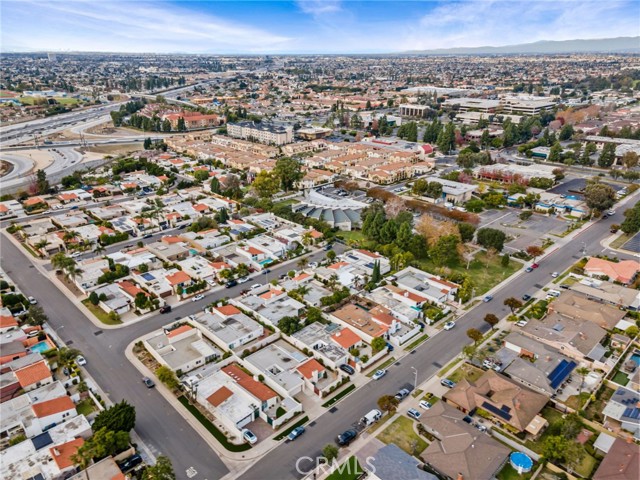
[[601, 45]]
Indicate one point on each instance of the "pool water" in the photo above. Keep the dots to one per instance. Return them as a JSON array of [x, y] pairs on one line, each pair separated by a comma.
[[636, 358], [41, 347], [521, 462]]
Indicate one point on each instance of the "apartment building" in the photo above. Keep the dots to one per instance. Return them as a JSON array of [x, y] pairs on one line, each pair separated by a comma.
[[263, 132]]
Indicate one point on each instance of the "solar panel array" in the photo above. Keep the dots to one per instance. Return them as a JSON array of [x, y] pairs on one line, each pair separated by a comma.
[[501, 412], [560, 373]]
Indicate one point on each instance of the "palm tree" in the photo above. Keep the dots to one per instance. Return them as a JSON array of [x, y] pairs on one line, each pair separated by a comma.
[[302, 262], [307, 239], [99, 248], [61, 262], [333, 279], [40, 245], [74, 272], [583, 372], [70, 235]]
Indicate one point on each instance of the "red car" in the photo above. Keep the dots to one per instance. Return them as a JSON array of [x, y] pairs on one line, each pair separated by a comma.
[[534, 265]]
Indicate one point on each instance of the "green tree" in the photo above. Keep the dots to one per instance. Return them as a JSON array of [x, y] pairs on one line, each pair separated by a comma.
[[504, 260], [181, 127], [42, 184], [376, 276], [388, 403], [491, 319], [491, 238], [36, 316], [582, 372], [120, 417], [555, 153], [607, 156], [475, 335], [201, 175], [466, 231], [162, 470], [377, 344], [599, 196], [631, 223], [566, 132], [555, 448], [330, 452], [632, 331], [331, 255], [168, 377], [215, 185], [513, 304], [289, 325], [445, 250], [93, 298], [465, 292], [485, 139], [67, 356], [589, 149], [266, 184], [289, 172], [102, 444], [147, 144], [447, 138]]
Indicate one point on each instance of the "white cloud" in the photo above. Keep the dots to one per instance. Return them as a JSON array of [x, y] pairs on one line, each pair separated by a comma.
[[319, 7], [133, 25], [498, 22]]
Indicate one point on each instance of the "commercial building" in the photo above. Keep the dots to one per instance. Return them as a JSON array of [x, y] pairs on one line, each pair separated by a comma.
[[413, 110], [263, 132]]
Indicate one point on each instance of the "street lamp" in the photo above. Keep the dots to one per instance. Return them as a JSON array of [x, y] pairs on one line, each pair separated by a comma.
[[415, 382]]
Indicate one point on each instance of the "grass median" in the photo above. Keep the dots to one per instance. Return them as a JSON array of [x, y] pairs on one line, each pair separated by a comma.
[[284, 434], [213, 430], [419, 341], [343, 393]]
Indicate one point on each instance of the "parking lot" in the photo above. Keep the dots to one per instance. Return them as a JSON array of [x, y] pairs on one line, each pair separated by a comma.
[[524, 232]]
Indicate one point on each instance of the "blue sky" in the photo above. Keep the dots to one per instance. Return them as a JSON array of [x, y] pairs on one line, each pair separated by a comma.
[[305, 26]]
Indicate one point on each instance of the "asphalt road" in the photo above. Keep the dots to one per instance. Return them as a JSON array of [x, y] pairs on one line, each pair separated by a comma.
[[157, 423], [428, 359], [164, 431]]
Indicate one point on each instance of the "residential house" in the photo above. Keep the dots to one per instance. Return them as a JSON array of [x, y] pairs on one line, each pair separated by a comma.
[[391, 462], [105, 468], [607, 292], [34, 376], [621, 463], [505, 400], [460, 451], [624, 271], [278, 363], [181, 348], [270, 305], [228, 327], [318, 339], [571, 305], [423, 284], [623, 411]]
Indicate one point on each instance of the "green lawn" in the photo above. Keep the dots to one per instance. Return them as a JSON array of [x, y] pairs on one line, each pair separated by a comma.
[[343, 393], [510, 473], [466, 371], [586, 466], [552, 416], [353, 236], [621, 378], [417, 342], [100, 314], [349, 470], [451, 365], [484, 274], [284, 434], [381, 366], [620, 241], [60, 100], [85, 407], [286, 203], [402, 434]]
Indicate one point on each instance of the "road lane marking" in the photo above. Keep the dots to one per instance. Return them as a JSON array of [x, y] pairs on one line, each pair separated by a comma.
[[191, 472]]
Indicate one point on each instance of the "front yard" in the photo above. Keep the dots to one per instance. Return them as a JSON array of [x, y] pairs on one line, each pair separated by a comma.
[[466, 372], [402, 433], [100, 314]]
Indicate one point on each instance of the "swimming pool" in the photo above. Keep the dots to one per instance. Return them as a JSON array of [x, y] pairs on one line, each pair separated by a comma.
[[41, 347], [636, 357], [521, 462]]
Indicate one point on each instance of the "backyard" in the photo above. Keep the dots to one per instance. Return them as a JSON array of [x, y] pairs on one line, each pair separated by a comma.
[[402, 433]]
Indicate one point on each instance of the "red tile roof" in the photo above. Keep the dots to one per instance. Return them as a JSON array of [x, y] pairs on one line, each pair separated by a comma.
[[51, 407], [33, 373], [228, 310], [346, 338], [307, 368], [178, 277], [219, 396], [177, 331], [7, 321], [246, 381], [62, 453]]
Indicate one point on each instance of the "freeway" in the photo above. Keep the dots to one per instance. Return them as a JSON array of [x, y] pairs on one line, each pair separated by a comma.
[[164, 431], [157, 423]]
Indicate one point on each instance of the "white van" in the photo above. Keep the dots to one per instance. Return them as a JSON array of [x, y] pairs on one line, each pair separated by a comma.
[[372, 417], [553, 293]]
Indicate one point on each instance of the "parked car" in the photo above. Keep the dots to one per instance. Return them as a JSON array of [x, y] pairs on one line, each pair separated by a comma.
[[521, 323], [197, 297], [148, 382], [487, 299], [555, 275], [526, 297], [379, 374], [347, 369], [249, 436], [611, 213], [243, 280], [389, 347], [528, 269], [424, 404], [313, 265], [449, 325], [413, 413], [129, 463], [230, 284], [481, 427], [32, 300], [402, 394], [80, 360], [256, 286], [266, 270], [76, 254], [165, 309], [345, 438], [148, 235], [534, 265], [328, 247], [295, 433], [447, 383], [468, 419]]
